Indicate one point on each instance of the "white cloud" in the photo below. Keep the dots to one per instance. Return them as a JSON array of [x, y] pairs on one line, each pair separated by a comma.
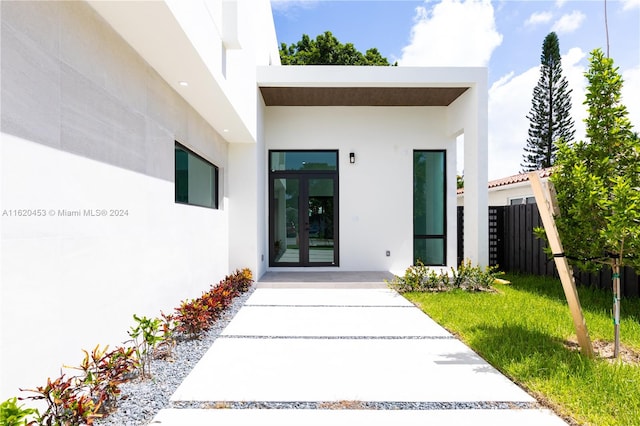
[[574, 71], [537, 18], [630, 90], [510, 102], [452, 33], [288, 5], [560, 3], [630, 4], [569, 22]]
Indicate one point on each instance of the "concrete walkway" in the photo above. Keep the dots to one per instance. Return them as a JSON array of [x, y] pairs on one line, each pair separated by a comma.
[[344, 351]]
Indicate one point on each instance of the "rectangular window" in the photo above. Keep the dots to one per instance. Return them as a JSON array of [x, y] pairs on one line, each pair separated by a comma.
[[303, 160], [196, 179], [525, 200], [429, 207]]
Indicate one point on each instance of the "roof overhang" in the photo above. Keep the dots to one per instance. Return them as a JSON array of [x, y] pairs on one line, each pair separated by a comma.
[[360, 96], [364, 86], [155, 31]]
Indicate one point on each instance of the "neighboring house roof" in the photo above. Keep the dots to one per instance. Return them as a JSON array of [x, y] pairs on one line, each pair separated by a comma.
[[513, 179]]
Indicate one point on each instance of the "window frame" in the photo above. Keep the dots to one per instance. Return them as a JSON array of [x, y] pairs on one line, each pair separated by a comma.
[[216, 178], [302, 151], [442, 236], [304, 175]]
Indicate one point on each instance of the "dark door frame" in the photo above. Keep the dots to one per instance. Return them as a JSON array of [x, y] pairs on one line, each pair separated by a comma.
[[304, 177]]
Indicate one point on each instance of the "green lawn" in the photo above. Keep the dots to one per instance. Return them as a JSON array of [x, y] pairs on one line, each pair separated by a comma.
[[521, 330]]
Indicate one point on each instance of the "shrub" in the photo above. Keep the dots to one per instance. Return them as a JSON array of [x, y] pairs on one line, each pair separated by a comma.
[[422, 278], [195, 316], [146, 335], [168, 342], [244, 279], [104, 372], [192, 318], [474, 278], [12, 414], [67, 403], [79, 400]]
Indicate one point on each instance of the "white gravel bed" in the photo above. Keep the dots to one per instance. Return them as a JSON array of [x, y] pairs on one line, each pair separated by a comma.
[[141, 400]]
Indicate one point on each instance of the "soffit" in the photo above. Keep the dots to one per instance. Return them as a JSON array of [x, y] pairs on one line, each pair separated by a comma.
[[360, 96]]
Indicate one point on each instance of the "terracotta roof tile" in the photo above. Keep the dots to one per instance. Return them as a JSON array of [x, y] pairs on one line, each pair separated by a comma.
[[509, 180]]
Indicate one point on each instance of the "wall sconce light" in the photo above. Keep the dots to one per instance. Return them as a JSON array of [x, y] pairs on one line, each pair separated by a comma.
[[352, 157]]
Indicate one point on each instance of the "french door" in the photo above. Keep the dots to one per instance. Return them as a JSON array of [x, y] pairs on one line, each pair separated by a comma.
[[303, 218]]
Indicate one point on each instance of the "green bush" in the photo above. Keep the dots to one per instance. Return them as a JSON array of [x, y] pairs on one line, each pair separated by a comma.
[[12, 414], [467, 277]]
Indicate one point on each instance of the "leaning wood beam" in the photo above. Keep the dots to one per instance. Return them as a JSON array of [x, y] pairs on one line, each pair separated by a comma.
[[547, 205]]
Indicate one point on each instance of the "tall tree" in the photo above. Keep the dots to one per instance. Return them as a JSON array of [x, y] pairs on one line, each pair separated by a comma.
[[597, 183], [550, 110], [327, 50]]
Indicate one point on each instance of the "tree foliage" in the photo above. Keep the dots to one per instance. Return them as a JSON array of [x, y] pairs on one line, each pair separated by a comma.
[[598, 184], [327, 50], [598, 180], [550, 118]]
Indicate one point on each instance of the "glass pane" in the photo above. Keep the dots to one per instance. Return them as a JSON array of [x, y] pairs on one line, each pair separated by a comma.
[[182, 176], [285, 208], [195, 179], [304, 160], [320, 217], [430, 251], [201, 182], [428, 193]]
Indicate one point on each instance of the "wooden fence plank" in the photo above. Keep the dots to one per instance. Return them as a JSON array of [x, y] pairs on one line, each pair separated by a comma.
[[511, 249]]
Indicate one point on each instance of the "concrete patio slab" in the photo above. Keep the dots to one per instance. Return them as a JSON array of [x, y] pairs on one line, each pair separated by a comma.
[[319, 345], [345, 369], [326, 297], [324, 276], [193, 417], [333, 321]]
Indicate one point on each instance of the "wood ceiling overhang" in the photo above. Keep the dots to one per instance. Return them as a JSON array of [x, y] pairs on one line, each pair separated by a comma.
[[360, 96]]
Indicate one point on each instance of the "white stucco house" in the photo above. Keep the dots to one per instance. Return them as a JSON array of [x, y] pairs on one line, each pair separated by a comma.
[[510, 190], [150, 148]]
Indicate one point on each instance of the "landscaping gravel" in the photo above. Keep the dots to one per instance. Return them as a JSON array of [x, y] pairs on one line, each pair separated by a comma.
[[141, 400], [360, 405]]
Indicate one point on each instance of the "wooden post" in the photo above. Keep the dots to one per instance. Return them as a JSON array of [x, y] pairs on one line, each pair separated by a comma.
[[547, 205]]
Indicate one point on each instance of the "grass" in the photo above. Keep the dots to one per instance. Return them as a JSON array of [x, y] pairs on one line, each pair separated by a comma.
[[522, 330]]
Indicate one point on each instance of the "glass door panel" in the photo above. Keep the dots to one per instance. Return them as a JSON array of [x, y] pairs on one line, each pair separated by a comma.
[[320, 220], [285, 208], [303, 208]]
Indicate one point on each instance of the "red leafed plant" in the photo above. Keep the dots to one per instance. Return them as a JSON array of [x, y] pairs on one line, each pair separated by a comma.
[[192, 318], [214, 303], [243, 279], [67, 403], [104, 372], [79, 400]]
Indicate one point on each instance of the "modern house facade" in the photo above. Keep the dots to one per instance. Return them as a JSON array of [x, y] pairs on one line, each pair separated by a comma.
[[150, 148]]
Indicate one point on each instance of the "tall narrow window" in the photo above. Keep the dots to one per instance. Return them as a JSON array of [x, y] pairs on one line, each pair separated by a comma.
[[429, 207], [196, 179]]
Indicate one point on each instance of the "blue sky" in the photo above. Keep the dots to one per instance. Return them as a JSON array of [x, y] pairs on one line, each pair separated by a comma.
[[505, 36]]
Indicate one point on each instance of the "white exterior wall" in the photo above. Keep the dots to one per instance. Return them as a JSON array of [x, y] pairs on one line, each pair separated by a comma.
[[375, 193], [468, 115], [502, 196], [89, 122]]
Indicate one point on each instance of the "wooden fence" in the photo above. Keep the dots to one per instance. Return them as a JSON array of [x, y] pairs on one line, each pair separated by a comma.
[[514, 248]]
